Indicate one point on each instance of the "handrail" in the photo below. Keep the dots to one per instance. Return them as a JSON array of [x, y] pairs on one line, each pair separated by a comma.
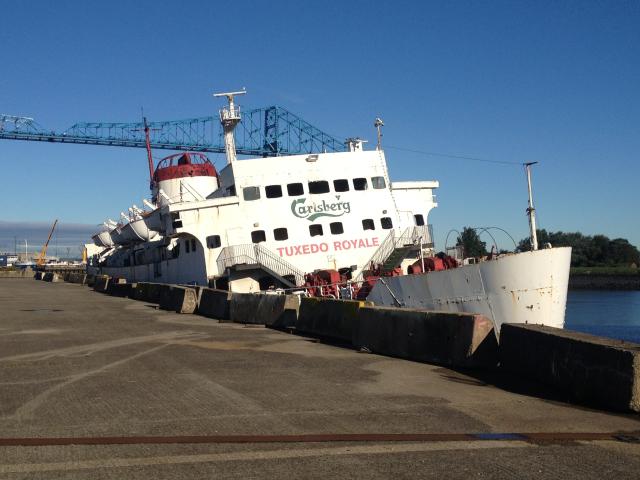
[[410, 236], [258, 254], [382, 252]]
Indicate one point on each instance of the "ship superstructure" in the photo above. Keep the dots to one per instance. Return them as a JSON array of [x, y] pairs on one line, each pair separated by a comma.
[[267, 222]]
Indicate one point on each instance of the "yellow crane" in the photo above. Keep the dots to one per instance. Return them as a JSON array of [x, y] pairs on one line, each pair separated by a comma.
[[42, 258]]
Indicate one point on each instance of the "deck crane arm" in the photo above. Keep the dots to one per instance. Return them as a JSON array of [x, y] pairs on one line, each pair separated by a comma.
[[43, 253]]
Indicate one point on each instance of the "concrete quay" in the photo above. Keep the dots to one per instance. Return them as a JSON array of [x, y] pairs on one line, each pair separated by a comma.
[[99, 386]]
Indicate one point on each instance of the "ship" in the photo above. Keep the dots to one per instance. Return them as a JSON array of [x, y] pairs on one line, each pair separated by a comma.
[[322, 224]]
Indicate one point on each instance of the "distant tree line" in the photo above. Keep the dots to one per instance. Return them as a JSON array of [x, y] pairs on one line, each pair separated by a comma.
[[587, 250]]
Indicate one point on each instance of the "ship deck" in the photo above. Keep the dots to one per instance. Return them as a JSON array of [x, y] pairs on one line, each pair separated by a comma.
[[94, 386]]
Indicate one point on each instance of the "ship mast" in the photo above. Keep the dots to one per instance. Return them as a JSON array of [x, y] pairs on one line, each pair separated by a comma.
[[379, 124], [229, 118], [147, 141], [531, 211]]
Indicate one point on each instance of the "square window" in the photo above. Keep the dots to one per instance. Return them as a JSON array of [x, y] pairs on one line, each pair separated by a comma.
[[359, 183], [378, 182], [213, 241], [175, 252], [386, 223], [341, 185], [336, 228], [176, 222], [419, 219], [273, 191], [280, 234], [367, 224], [258, 236], [251, 193], [315, 229], [320, 186], [295, 189]]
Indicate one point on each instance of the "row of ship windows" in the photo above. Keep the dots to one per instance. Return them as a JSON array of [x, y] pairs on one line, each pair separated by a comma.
[[315, 230], [315, 187], [281, 234]]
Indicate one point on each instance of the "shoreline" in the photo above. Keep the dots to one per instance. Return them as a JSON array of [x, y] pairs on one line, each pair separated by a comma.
[[604, 281]]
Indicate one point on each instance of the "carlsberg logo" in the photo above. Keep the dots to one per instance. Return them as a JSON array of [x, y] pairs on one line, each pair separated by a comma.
[[312, 211]]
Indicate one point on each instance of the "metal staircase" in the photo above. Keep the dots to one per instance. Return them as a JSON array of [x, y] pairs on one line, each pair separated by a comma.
[[394, 249], [254, 255]]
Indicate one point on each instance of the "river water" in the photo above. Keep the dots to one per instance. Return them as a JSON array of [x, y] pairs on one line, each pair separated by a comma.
[[614, 314]]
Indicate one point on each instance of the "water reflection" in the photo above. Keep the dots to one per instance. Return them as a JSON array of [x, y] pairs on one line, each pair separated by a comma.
[[614, 314]]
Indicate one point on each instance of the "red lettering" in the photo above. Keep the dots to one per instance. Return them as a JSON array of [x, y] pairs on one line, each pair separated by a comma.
[[305, 249], [280, 250], [346, 245], [288, 251], [324, 247], [361, 244], [337, 246], [298, 249], [375, 241], [354, 243], [314, 248]]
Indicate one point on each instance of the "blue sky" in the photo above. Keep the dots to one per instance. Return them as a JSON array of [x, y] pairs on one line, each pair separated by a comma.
[[554, 82]]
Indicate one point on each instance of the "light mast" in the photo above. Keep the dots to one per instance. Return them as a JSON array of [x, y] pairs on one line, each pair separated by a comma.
[[379, 124], [229, 118], [531, 211]]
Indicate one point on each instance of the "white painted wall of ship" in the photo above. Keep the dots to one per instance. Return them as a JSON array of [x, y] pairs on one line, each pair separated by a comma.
[[528, 287]]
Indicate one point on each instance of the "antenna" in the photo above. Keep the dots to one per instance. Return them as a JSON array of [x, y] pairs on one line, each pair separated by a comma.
[[379, 124], [531, 211]]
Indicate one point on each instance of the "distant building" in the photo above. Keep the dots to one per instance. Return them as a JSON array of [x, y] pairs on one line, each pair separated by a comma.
[[6, 260]]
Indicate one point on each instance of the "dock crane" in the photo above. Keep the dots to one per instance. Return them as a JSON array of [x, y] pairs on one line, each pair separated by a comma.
[[43, 253]]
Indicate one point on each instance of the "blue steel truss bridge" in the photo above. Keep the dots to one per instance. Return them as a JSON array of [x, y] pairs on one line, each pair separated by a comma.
[[266, 132]]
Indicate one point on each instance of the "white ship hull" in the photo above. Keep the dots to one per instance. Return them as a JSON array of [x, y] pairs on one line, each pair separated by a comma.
[[528, 287]]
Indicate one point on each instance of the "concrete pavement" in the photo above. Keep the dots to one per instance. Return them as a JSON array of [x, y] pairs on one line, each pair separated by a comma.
[[75, 363]]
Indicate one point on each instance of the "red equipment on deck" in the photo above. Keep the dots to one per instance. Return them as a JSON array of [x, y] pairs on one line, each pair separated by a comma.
[[324, 283], [180, 165]]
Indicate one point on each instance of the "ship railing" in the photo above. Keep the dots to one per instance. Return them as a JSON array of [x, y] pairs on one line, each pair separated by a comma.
[[254, 253], [227, 113], [422, 233], [417, 235], [380, 255]]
